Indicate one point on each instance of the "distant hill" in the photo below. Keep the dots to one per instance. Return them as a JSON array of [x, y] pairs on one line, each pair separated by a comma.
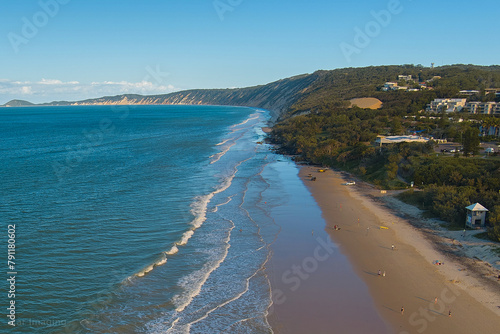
[[276, 97], [18, 103], [323, 90]]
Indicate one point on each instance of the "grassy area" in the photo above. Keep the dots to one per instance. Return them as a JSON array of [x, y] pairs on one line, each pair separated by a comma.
[[483, 236], [417, 198], [412, 197]]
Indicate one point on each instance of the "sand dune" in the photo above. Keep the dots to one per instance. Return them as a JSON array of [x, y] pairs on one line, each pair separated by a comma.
[[367, 102]]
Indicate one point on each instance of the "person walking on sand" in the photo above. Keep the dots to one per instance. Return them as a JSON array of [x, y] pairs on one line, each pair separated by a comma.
[[449, 313], [392, 246], [435, 300], [379, 272], [383, 274], [402, 310]]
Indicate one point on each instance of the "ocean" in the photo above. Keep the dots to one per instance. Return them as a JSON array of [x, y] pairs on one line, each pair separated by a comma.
[[137, 219]]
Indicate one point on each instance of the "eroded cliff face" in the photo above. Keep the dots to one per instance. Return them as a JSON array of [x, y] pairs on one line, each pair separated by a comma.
[[276, 97]]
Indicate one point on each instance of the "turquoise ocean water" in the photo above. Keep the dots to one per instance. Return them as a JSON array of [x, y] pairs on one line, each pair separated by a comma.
[[144, 219]]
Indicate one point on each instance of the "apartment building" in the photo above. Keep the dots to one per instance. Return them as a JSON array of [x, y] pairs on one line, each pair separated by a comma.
[[449, 105]]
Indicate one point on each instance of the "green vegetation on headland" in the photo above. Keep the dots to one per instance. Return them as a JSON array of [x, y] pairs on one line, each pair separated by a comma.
[[18, 103], [320, 128]]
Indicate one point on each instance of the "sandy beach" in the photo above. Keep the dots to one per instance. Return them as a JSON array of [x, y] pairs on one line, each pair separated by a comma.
[[315, 288], [445, 298]]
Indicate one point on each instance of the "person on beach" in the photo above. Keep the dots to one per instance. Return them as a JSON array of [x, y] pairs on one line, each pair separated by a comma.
[[435, 300], [392, 246], [402, 310], [379, 272], [383, 274], [449, 313]]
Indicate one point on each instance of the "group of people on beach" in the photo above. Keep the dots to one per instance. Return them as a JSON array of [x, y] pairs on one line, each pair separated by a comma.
[[403, 309]]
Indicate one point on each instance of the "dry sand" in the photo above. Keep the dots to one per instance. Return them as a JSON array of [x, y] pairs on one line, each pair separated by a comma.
[[411, 280], [367, 103]]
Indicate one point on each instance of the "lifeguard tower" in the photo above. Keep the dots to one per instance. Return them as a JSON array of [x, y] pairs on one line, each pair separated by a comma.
[[476, 216]]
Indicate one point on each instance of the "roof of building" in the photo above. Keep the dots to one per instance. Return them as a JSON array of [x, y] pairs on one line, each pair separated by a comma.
[[400, 139], [476, 207]]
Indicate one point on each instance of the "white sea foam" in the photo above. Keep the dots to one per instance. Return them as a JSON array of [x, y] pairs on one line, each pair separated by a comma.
[[194, 282], [199, 210], [216, 208], [252, 117], [198, 281], [200, 206], [172, 251], [149, 268], [185, 238], [236, 297], [145, 271], [216, 157], [223, 142]]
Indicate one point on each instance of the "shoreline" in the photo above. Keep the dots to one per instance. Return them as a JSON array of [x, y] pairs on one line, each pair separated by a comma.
[[314, 286], [411, 280]]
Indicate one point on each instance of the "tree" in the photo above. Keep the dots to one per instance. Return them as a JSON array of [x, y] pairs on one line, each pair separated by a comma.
[[494, 218], [443, 121], [471, 141], [396, 127]]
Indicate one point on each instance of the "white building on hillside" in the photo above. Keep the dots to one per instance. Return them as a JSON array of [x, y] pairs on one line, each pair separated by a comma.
[[469, 92], [449, 105], [400, 139], [492, 91], [489, 108], [405, 78], [390, 86]]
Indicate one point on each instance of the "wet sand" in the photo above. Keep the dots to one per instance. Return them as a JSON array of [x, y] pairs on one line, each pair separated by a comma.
[[315, 288], [411, 280]]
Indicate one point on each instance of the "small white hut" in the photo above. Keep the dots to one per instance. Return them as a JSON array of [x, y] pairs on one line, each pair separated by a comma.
[[476, 215]]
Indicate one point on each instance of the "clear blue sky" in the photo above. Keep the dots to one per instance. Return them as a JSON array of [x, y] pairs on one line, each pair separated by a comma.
[[88, 48]]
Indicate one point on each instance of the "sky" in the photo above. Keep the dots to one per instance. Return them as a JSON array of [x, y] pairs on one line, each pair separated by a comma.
[[77, 49]]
